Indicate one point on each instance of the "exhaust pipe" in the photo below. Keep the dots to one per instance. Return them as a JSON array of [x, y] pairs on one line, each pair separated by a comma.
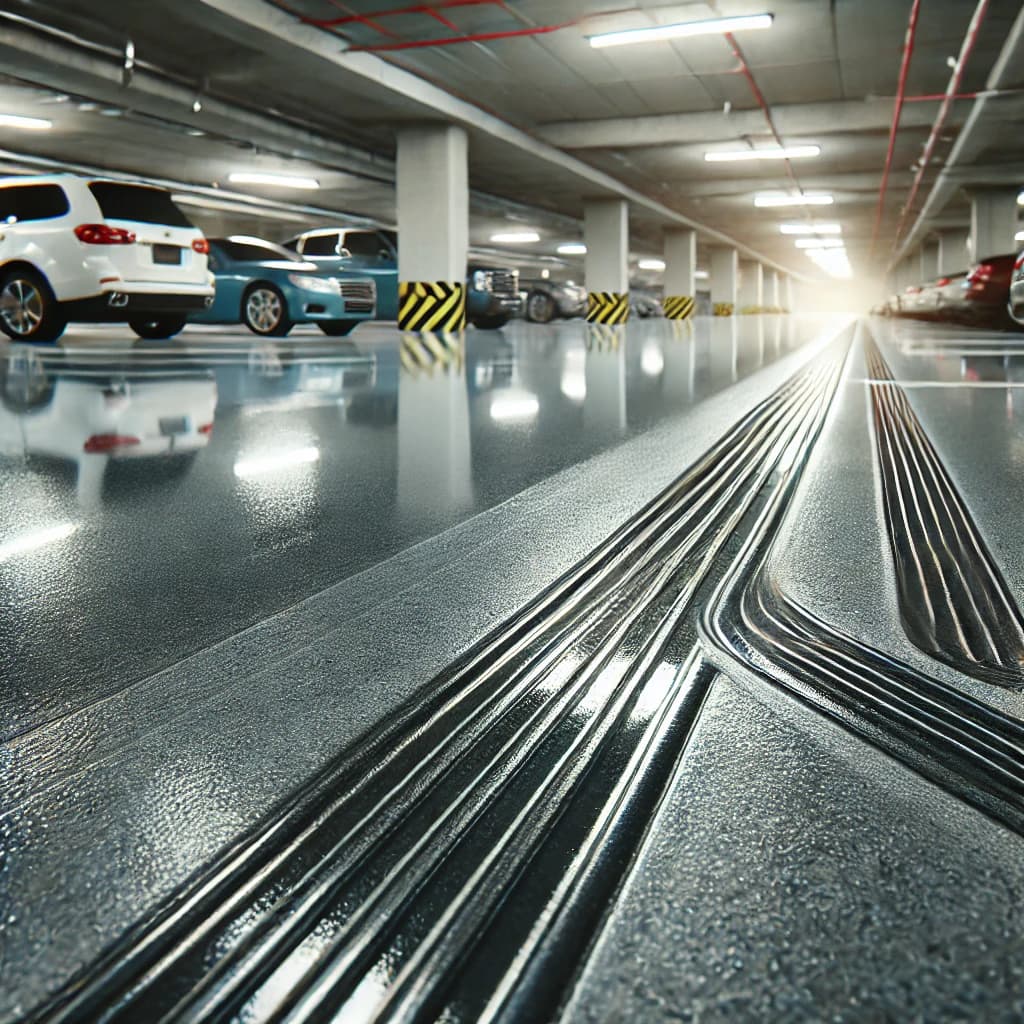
[[118, 300]]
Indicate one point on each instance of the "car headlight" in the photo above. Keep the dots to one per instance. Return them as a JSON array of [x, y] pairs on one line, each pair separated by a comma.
[[314, 284], [481, 281]]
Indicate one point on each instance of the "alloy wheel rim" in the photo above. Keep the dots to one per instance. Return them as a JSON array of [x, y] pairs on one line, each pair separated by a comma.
[[539, 307], [263, 309], [21, 306]]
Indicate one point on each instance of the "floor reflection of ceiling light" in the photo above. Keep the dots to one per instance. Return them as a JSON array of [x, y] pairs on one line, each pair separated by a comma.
[[273, 462], [36, 539], [652, 362], [511, 406]]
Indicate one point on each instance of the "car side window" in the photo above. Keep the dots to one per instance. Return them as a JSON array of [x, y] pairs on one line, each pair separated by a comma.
[[20, 203], [366, 244], [321, 245]]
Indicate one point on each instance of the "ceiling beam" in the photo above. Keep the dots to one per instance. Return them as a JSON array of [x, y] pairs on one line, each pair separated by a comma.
[[793, 121]]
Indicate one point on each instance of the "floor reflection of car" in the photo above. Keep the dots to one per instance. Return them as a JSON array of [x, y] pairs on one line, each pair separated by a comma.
[[270, 290], [96, 416], [550, 300]]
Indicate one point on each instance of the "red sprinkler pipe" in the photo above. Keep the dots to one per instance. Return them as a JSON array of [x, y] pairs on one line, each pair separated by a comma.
[[479, 37], [430, 9], [897, 110], [967, 47]]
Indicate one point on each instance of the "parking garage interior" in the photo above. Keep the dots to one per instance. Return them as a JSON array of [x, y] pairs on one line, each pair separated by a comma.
[[509, 510]]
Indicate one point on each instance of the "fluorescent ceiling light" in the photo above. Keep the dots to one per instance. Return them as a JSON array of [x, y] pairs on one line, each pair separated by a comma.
[[30, 124], [282, 180], [36, 539], [819, 243], [782, 199], [258, 465], [767, 153], [651, 264], [516, 237], [1019, 237], [572, 249], [1020, 199], [712, 26], [814, 228]]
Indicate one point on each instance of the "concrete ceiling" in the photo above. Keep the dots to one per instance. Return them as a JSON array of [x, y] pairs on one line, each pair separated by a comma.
[[551, 120]]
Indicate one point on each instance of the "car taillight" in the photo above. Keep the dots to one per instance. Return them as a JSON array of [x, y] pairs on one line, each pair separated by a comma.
[[1020, 262], [942, 282], [207, 429], [982, 272], [98, 444], [103, 234], [201, 245]]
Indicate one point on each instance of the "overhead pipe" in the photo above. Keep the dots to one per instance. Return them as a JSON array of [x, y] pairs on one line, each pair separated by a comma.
[[372, 16], [476, 37], [897, 110], [966, 48]]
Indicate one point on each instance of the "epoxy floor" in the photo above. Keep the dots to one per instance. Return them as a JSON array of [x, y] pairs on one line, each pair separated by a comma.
[[322, 458]]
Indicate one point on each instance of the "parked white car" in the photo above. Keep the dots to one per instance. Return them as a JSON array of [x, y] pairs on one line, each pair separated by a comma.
[[74, 248]]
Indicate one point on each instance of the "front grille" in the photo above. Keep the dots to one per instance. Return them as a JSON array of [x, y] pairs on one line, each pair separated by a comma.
[[359, 296], [504, 282]]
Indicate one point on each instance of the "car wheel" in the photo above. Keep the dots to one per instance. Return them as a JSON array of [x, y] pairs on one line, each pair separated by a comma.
[[337, 328], [158, 328], [265, 312], [491, 323], [540, 308], [29, 310]]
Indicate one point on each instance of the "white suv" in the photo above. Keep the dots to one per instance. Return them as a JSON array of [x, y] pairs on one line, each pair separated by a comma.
[[76, 248]]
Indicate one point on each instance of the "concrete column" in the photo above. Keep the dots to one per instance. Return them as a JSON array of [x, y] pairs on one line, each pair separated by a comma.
[[433, 227], [929, 261], [751, 285], [993, 222], [724, 273], [952, 250], [772, 296], [606, 234], [680, 268], [787, 293]]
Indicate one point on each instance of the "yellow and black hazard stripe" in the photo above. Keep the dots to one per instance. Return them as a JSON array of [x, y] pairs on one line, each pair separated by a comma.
[[607, 307], [422, 351], [678, 307], [723, 309], [431, 306]]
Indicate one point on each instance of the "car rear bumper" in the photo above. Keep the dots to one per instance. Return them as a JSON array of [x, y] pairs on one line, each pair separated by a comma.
[[115, 305]]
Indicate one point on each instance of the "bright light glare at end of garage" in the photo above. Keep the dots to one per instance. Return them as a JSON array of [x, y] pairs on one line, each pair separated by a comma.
[[833, 261], [781, 199], [272, 462], [513, 405], [31, 124], [819, 243], [712, 26], [811, 229], [280, 180], [36, 539], [516, 237], [768, 153], [651, 264], [572, 249]]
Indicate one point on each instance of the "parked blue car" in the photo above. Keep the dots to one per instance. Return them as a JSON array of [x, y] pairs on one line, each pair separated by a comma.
[[492, 293], [270, 289]]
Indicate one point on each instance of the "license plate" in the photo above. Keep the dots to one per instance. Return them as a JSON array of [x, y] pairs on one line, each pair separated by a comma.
[[171, 426], [167, 254]]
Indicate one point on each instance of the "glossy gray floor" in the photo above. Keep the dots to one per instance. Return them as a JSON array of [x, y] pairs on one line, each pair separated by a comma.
[[188, 635]]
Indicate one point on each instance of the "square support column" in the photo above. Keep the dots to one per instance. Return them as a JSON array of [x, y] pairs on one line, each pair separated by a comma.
[[432, 174], [724, 274], [772, 296], [929, 261], [952, 250], [751, 296], [787, 293], [680, 270], [993, 222], [606, 233]]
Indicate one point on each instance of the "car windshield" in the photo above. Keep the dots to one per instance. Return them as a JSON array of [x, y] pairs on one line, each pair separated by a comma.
[[253, 250], [140, 203]]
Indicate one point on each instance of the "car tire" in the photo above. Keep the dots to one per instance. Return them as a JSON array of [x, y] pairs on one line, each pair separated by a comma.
[[265, 311], [540, 308], [491, 323], [158, 328], [337, 328], [29, 311]]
